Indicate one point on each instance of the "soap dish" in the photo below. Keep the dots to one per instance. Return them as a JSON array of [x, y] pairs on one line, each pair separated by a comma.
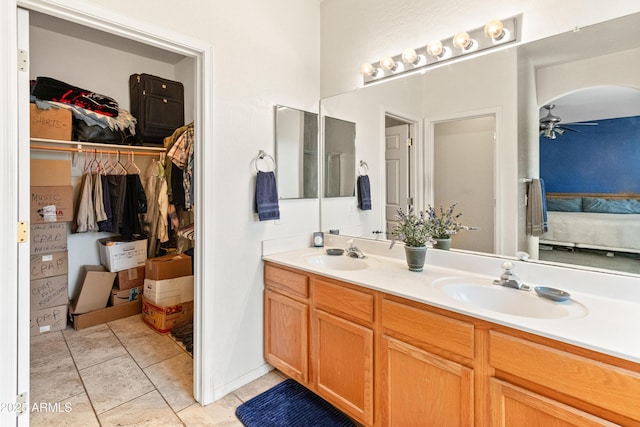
[[335, 251], [552, 293]]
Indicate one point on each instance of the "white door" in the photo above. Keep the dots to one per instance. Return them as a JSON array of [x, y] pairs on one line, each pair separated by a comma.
[[397, 173], [464, 173]]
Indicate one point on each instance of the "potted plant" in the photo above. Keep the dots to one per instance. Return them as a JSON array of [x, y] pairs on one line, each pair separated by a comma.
[[443, 224], [415, 231]]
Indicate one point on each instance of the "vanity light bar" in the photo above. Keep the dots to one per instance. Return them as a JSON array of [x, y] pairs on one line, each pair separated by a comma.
[[494, 34]]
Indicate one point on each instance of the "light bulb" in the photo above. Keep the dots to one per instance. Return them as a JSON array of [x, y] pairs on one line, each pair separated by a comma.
[[434, 48], [462, 40], [367, 69], [410, 56], [387, 63], [494, 30]]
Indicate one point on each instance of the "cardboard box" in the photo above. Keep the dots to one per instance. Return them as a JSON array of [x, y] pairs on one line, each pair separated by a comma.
[[121, 297], [49, 292], [168, 267], [108, 314], [54, 123], [51, 204], [118, 255], [48, 320], [130, 278], [48, 238], [49, 265], [94, 291], [48, 173], [169, 291], [163, 319]]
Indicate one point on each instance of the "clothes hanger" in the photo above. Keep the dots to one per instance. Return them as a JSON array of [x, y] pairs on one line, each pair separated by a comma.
[[119, 166], [131, 163]]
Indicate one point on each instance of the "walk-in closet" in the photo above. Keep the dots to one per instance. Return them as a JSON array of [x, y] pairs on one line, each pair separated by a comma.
[[114, 367]]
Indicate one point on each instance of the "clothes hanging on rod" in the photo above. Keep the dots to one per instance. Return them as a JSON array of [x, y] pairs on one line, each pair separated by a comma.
[[109, 202], [155, 220]]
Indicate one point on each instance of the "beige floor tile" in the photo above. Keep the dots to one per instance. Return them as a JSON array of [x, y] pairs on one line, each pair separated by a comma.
[[258, 386], [93, 345], [144, 344], [147, 410], [174, 380], [73, 412], [114, 382], [54, 379], [218, 414], [47, 346]]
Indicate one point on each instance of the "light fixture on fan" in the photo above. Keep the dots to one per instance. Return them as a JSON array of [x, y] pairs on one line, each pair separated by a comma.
[[550, 125], [490, 36]]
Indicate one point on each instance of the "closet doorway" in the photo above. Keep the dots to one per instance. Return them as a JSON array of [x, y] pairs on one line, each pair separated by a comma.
[[463, 172], [150, 44]]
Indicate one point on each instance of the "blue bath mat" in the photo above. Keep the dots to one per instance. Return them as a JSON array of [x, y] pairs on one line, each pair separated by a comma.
[[290, 404]]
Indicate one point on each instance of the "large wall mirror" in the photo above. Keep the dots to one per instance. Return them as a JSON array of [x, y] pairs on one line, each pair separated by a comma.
[[296, 153], [510, 86]]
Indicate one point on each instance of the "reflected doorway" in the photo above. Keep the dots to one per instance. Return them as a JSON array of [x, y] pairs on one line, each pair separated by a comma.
[[464, 173], [399, 137]]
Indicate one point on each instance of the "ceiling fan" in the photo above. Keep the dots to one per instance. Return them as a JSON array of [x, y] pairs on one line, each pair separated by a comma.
[[550, 125]]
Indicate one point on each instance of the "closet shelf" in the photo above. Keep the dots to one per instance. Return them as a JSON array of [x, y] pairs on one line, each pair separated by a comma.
[[80, 146]]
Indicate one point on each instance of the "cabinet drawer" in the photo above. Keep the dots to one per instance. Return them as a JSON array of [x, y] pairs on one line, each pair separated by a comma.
[[605, 386], [433, 329], [290, 282], [342, 300]]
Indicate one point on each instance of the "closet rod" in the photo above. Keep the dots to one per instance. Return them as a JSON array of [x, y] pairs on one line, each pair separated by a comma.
[[93, 150]]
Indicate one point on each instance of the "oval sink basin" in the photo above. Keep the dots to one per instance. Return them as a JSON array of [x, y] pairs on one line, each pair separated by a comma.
[[341, 262], [484, 294]]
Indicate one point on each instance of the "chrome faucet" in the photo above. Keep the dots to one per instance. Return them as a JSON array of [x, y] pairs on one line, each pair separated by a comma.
[[509, 279], [353, 251]]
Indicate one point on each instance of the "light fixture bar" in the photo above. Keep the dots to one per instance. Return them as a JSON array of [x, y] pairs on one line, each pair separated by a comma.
[[494, 34]]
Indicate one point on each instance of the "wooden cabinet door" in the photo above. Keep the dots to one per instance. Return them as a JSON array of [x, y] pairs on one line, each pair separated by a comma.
[[342, 357], [286, 329], [419, 388], [515, 406]]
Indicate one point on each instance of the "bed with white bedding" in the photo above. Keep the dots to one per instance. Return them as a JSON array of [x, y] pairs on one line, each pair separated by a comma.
[[606, 222]]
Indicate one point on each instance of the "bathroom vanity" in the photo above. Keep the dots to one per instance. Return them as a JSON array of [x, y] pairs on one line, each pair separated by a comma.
[[389, 347]]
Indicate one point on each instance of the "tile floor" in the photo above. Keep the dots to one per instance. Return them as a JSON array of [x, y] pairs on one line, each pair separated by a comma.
[[123, 373]]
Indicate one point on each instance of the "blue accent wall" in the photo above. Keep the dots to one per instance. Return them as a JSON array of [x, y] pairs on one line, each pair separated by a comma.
[[597, 159]]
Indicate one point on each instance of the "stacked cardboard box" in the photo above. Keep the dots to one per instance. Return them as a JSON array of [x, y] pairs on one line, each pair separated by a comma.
[[167, 300], [51, 209], [128, 287], [89, 305]]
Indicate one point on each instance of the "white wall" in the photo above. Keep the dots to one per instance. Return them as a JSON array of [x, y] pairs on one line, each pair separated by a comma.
[[358, 31], [615, 69]]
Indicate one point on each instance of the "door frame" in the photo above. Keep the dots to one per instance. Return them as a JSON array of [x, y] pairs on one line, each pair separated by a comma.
[[416, 181], [14, 127], [497, 155]]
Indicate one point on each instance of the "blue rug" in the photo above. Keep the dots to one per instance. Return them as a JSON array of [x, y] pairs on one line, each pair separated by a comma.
[[290, 404]]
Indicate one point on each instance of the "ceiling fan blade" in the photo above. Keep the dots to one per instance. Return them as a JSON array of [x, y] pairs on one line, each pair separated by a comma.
[[563, 128], [581, 124]]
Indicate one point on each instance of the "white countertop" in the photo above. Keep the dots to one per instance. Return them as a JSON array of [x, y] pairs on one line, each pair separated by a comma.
[[610, 326]]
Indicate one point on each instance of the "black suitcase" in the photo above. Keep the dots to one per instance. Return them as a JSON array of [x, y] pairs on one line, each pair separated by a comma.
[[158, 106]]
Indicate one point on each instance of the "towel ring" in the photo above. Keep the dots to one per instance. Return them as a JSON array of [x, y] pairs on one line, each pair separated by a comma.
[[261, 156], [364, 168]]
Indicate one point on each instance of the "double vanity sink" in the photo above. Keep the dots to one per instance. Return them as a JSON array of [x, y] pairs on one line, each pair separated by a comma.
[[599, 315], [370, 336], [476, 292]]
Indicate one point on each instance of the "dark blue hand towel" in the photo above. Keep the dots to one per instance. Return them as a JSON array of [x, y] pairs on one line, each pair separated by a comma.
[[364, 193], [266, 201]]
